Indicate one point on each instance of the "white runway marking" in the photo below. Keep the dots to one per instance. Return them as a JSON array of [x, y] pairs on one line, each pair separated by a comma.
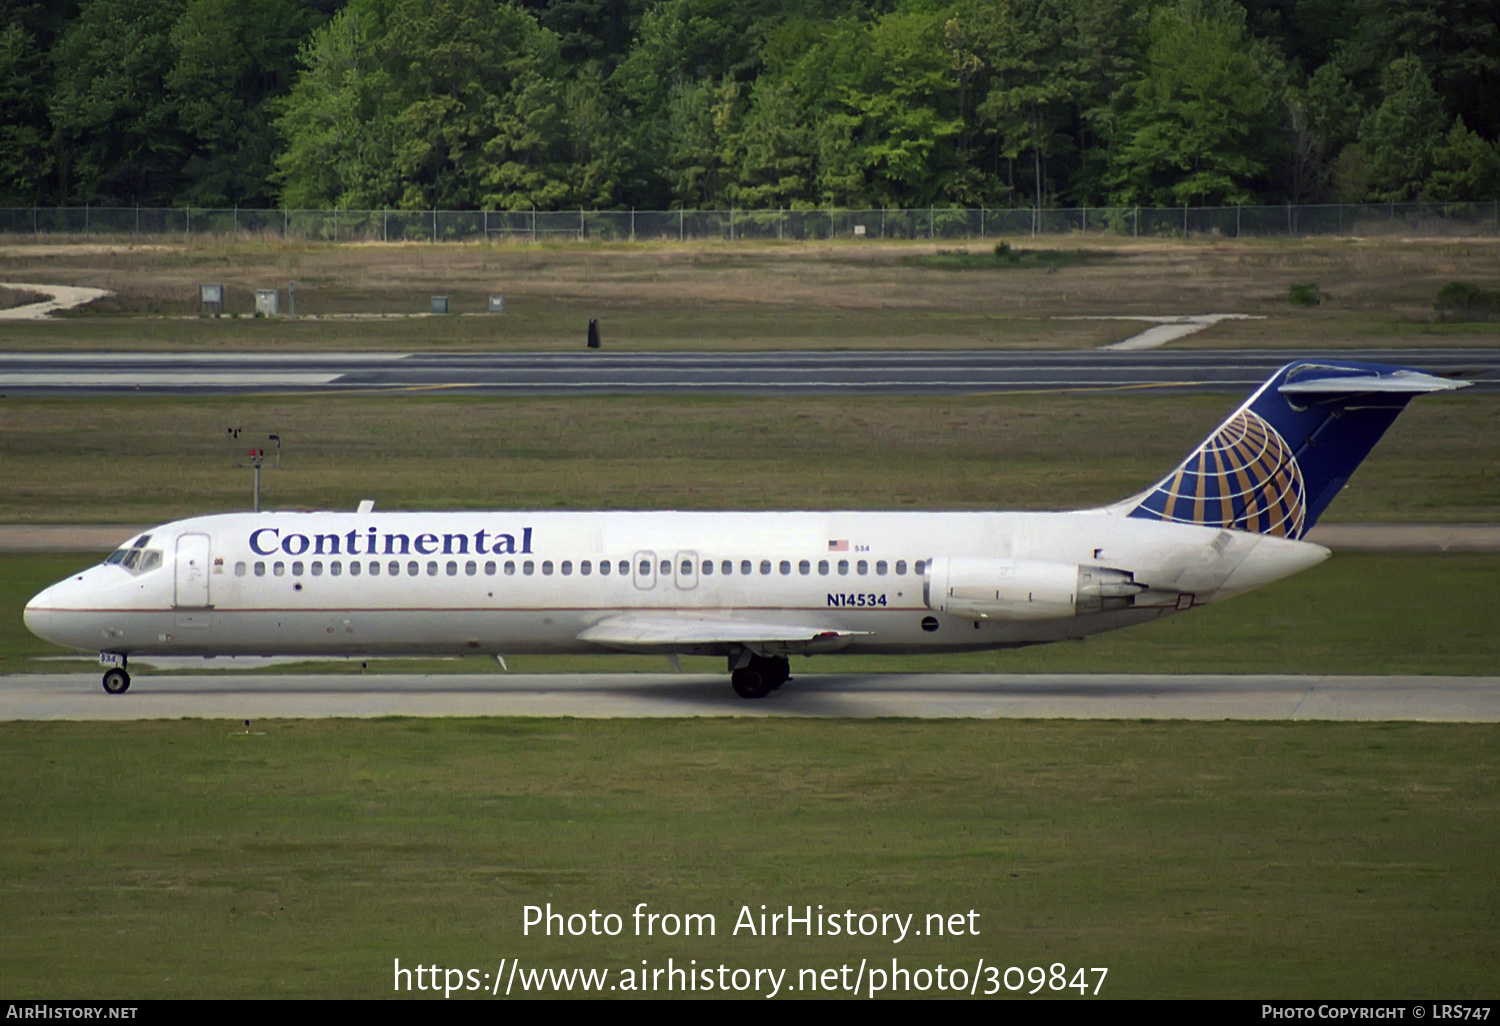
[[178, 379], [78, 696]]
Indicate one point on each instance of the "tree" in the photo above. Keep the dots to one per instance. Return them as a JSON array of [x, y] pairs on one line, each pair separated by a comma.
[[1464, 166], [25, 156], [115, 120], [1396, 137], [417, 104], [232, 62], [1201, 122]]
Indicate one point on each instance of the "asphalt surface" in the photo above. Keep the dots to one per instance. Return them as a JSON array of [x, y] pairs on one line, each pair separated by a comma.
[[727, 373], [78, 696]]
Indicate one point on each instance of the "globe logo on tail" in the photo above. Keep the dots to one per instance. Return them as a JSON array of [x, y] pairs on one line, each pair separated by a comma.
[[1244, 477]]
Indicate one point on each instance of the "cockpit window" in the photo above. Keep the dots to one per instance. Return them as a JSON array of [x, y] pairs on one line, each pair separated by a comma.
[[136, 559]]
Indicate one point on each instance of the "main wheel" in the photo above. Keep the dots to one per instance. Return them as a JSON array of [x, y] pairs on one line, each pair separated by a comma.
[[116, 682], [750, 683], [780, 671]]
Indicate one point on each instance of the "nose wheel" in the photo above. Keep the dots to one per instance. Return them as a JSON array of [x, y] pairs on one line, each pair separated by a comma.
[[116, 681]]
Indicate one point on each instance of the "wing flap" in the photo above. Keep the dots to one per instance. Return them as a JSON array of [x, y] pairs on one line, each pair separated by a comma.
[[631, 629]]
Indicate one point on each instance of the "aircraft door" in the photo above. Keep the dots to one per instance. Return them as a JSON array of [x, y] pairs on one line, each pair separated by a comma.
[[643, 569], [192, 571], [687, 570]]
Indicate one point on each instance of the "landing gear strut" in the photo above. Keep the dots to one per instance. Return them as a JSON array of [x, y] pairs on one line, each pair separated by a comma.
[[116, 681], [763, 675]]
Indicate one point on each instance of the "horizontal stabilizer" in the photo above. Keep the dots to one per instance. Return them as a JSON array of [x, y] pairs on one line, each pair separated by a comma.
[[631, 629], [1401, 381]]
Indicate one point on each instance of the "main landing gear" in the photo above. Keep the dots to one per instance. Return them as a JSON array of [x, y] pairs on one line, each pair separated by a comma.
[[761, 676], [116, 680]]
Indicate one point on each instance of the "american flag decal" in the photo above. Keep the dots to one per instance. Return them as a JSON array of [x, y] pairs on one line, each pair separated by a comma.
[[841, 545]]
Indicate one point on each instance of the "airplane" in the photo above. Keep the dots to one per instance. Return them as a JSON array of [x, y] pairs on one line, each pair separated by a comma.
[[753, 588]]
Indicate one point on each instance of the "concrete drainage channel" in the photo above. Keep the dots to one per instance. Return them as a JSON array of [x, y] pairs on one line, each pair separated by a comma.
[[60, 297], [1164, 329]]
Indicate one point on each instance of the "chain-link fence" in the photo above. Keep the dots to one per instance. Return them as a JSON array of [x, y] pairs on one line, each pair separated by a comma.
[[947, 223]]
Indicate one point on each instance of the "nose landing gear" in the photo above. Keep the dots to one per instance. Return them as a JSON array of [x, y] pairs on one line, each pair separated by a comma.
[[761, 676], [116, 681]]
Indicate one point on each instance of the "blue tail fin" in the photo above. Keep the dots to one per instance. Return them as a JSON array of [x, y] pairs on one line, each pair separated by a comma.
[[1274, 466]]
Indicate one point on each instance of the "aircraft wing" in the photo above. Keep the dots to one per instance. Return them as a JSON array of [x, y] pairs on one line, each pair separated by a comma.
[[630, 630]]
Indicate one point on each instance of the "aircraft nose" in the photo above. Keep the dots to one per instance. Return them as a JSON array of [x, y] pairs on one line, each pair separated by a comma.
[[41, 614]]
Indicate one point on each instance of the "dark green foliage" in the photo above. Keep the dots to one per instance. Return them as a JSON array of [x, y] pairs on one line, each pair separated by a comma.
[[1305, 293], [1465, 301], [760, 104]]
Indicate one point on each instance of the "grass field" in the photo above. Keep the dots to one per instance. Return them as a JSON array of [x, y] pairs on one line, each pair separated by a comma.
[[151, 460], [757, 296], [1356, 613], [188, 858]]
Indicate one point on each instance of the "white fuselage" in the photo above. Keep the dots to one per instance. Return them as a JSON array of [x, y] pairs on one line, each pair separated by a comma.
[[349, 584]]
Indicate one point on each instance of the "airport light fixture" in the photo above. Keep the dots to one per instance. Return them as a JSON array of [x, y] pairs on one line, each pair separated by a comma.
[[249, 453]]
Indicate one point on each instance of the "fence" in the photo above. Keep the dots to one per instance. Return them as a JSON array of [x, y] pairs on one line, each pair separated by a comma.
[[1340, 219]]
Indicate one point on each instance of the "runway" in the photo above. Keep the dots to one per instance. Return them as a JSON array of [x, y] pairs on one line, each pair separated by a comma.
[[78, 696], [925, 372]]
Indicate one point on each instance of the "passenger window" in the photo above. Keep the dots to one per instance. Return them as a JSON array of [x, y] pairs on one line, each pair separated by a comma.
[[260, 568], [393, 568], [823, 567], [297, 568], [666, 568], [452, 568], [354, 567], [862, 567], [510, 568], [645, 568], [765, 567], [278, 568], [317, 568], [624, 568], [786, 567], [413, 568], [919, 568], [804, 568], [547, 567], [585, 568], [374, 568], [686, 570], [567, 568], [432, 568], [880, 567], [471, 568], [239, 569], [707, 568], [489, 568], [335, 568], [605, 566], [843, 567], [745, 567], [901, 568], [528, 568]]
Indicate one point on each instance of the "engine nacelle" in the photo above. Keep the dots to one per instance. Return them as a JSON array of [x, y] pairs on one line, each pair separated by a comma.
[[1024, 589]]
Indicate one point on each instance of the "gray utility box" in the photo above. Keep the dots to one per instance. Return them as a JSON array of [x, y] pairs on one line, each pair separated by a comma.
[[439, 304], [211, 298], [497, 304], [267, 302]]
